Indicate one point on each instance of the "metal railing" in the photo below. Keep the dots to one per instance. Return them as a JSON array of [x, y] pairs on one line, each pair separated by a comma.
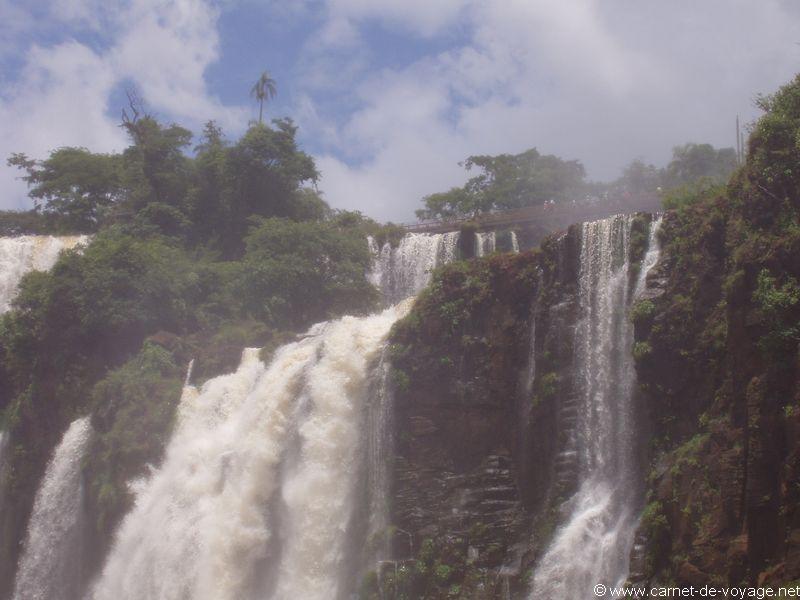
[[553, 214]]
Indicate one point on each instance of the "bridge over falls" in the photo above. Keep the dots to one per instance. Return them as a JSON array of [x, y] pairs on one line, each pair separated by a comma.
[[545, 218]]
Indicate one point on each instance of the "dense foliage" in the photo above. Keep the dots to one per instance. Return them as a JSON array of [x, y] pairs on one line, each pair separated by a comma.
[[154, 187], [507, 181], [720, 370], [529, 179], [717, 352], [192, 256]]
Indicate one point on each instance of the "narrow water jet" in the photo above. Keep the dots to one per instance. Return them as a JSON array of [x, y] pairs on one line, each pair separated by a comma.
[[51, 567], [402, 271], [593, 545], [485, 243], [3, 444], [379, 450], [4, 441]]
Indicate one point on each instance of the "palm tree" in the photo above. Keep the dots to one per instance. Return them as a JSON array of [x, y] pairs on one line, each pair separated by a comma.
[[263, 89]]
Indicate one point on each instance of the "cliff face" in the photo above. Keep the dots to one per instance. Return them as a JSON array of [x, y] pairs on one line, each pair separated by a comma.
[[487, 398], [718, 363], [719, 369], [478, 479], [483, 378]]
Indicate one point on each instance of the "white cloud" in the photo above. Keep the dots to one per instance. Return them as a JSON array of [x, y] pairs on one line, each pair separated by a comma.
[[61, 100], [60, 97], [87, 13], [590, 79], [421, 17], [599, 81], [165, 50]]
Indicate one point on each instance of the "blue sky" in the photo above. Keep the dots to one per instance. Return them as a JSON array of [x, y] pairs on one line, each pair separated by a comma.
[[391, 94]]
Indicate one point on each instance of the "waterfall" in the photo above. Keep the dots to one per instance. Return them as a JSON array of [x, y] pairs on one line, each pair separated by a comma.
[[594, 544], [50, 567], [530, 369], [3, 471], [187, 381], [514, 242], [651, 256], [24, 253], [380, 446], [3, 444], [403, 271], [257, 491], [485, 243], [275, 479]]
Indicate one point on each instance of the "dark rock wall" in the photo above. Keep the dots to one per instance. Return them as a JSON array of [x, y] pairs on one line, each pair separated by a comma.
[[475, 475], [720, 383]]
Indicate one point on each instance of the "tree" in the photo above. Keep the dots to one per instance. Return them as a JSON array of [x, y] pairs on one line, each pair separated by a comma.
[[692, 162], [452, 204], [518, 180], [209, 196], [639, 178], [155, 166], [508, 181], [73, 185], [263, 89], [267, 168], [287, 260]]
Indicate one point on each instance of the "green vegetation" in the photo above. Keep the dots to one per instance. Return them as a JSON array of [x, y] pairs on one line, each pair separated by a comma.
[[779, 307], [134, 405], [73, 185], [507, 181], [546, 388], [192, 256], [693, 163], [642, 311], [721, 368], [692, 167], [692, 193], [263, 89], [457, 317], [641, 350], [154, 188]]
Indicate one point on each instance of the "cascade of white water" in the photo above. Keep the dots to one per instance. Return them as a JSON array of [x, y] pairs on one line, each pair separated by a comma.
[[403, 271], [594, 544], [651, 256], [514, 242], [21, 254], [187, 381], [318, 488], [380, 445], [3, 444], [50, 567], [3, 472], [256, 491], [485, 243], [530, 369]]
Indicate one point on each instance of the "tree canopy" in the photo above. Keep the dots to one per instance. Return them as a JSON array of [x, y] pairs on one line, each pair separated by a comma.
[[507, 181], [74, 185], [692, 162], [691, 165], [510, 181], [154, 186]]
